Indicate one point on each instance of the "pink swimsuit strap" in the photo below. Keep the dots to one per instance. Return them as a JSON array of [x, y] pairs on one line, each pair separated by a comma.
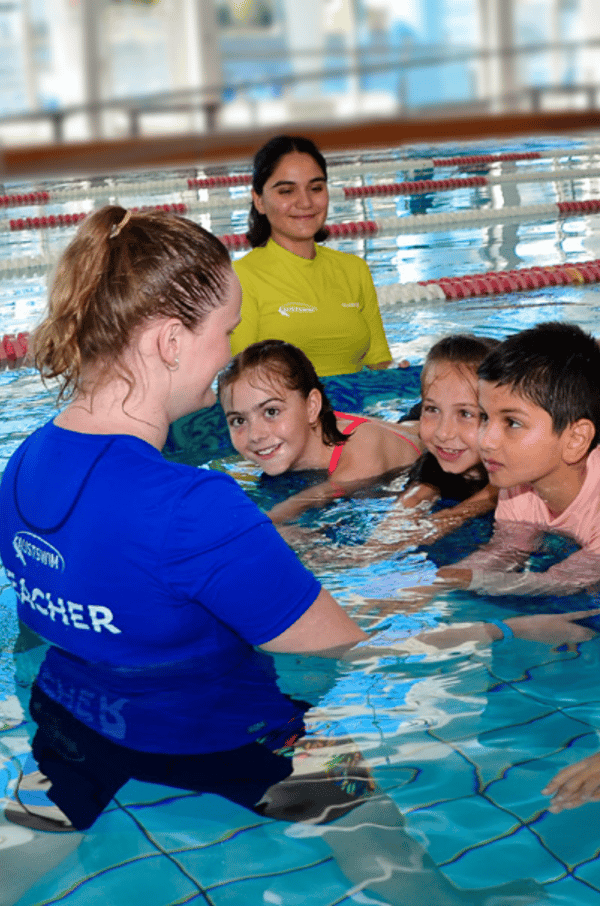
[[355, 421]]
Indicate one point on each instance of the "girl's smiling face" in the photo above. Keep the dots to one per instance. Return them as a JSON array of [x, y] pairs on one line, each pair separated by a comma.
[[449, 421], [273, 426]]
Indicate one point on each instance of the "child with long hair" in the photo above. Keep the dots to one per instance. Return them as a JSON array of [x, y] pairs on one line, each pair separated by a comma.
[[279, 417], [450, 469], [451, 466]]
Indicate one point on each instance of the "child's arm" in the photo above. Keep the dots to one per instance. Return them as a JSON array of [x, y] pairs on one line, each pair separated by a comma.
[[402, 528], [364, 462], [448, 520], [492, 570], [317, 496], [575, 785]]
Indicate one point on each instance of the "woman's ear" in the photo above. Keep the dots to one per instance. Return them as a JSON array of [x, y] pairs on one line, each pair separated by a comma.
[[578, 437], [169, 342], [314, 404], [258, 202]]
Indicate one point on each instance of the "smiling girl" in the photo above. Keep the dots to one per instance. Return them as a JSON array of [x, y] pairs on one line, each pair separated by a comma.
[[279, 417], [451, 465], [450, 468]]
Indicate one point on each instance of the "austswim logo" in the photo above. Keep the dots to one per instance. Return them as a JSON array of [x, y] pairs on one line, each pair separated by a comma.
[[27, 545], [302, 309]]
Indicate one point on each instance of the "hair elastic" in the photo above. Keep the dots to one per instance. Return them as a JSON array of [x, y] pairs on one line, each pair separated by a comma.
[[117, 227], [504, 628]]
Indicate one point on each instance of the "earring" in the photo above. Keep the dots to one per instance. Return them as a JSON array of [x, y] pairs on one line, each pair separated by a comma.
[[173, 367]]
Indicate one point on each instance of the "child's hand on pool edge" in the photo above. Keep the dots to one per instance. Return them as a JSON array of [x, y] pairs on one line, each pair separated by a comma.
[[575, 785]]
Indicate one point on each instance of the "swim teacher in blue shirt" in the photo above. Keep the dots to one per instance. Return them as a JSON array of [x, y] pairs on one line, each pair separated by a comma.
[[156, 584]]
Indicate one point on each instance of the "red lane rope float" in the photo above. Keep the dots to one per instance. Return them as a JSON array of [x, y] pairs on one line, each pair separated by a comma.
[[354, 228], [62, 220], [571, 207], [9, 201], [494, 282], [485, 158], [13, 349], [212, 182], [235, 241], [413, 186], [45, 221]]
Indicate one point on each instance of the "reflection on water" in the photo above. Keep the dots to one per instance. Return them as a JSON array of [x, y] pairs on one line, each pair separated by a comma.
[[326, 769]]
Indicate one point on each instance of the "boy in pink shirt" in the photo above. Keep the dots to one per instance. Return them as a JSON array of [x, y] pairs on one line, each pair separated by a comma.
[[539, 393]]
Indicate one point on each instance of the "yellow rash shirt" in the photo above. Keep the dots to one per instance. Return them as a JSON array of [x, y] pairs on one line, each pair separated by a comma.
[[327, 306]]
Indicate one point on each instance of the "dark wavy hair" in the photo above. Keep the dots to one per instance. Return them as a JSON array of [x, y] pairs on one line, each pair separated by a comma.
[[265, 162], [284, 362], [554, 365]]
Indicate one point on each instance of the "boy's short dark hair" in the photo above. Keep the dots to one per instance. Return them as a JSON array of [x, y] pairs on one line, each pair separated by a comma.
[[554, 365]]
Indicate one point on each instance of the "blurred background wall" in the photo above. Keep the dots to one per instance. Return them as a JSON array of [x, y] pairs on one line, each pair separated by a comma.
[[77, 70]]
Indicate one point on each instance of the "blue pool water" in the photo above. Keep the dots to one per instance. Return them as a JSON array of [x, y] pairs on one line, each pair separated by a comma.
[[463, 741]]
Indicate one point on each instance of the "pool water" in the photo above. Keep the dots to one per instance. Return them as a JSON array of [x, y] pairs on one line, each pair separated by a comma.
[[464, 741]]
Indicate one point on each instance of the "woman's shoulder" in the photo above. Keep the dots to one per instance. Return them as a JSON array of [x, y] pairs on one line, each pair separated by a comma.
[[250, 260], [194, 503], [342, 259]]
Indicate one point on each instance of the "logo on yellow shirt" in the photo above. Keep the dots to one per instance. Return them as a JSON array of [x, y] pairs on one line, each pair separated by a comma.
[[286, 310]]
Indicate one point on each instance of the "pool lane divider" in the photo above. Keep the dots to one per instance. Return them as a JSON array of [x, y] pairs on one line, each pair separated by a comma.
[[14, 347], [420, 186], [492, 283], [245, 179], [216, 183], [62, 220], [406, 187], [415, 187], [424, 223], [409, 223], [24, 198]]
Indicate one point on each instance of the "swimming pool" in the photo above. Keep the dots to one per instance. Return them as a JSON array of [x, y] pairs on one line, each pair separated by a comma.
[[462, 742]]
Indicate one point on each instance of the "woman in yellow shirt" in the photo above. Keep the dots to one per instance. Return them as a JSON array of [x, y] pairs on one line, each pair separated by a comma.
[[319, 299]]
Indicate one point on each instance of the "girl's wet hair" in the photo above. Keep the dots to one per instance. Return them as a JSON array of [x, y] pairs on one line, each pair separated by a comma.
[[265, 163], [556, 366], [122, 270], [277, 360], [459, 349]]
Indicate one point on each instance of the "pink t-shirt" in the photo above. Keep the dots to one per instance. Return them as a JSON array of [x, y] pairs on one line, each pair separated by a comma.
[[498, 567], [581, 519]]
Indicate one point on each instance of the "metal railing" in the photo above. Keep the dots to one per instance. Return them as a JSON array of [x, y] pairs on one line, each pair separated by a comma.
[[210, 102]]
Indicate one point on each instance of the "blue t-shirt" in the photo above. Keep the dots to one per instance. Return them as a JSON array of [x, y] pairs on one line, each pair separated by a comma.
[[125, 560]]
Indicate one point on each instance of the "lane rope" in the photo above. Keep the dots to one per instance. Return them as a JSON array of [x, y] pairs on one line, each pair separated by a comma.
[[14, 347]]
